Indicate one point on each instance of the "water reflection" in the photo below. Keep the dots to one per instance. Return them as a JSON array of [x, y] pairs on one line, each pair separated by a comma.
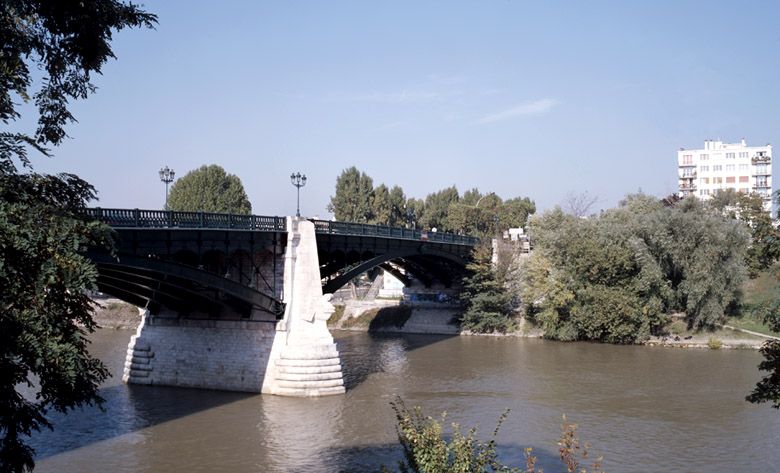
[[642, 408]]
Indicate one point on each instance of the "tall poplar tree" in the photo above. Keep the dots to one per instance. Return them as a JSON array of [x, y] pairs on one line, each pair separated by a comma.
[[354, 197]]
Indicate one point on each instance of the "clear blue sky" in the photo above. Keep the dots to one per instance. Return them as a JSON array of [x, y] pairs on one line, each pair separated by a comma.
[[524, 98]]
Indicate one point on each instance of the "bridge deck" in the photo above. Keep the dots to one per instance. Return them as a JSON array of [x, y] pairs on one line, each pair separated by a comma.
[[167, 219]]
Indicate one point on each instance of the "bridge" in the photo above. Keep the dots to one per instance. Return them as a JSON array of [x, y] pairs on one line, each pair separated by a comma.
[[255, 284]]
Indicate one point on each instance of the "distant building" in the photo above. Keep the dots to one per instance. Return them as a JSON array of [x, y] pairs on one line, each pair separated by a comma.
[[719, 165]]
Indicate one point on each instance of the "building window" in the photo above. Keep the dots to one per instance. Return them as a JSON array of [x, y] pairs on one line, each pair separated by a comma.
[[704, 192], [744, 179], [744, 190], [761, 181], [717, 167], [705, 180], [717, 180], [704, 168], [704, 157], [743, 154], [744, 167], [687, 159], [730, 180], [729, 155], [730, 167], [762, 169]]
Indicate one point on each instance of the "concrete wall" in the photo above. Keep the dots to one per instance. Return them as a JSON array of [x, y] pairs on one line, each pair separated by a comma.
[[218, 354]]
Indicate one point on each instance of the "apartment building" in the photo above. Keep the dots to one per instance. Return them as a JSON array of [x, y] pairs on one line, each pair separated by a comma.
[[719, 165]]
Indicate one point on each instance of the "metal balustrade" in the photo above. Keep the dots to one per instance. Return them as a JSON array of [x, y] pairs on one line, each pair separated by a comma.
[[138, 218], [362, 229]]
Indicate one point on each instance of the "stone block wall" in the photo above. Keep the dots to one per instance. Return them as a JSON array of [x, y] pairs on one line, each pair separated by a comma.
[[217, 354]]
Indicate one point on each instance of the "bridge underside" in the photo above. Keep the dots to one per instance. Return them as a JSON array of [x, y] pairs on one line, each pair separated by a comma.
[[342, 258], [156, 283]]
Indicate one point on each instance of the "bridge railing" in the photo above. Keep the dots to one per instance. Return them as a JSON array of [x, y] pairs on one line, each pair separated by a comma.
[[139, 218], [362, 229]]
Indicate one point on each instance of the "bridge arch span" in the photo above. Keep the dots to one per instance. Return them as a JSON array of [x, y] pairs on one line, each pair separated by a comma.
[[402, 257]]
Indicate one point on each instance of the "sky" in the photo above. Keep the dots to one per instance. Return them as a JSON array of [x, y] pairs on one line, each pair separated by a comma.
[[544, 99]]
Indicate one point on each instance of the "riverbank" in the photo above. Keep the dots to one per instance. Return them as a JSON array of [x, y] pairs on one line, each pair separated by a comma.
[[394, 317], [390, 316], [111, 313]]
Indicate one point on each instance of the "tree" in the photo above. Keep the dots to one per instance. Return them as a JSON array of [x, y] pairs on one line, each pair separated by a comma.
[[613, 277], [46, 313], [397, 207], [436, 207], [415, 208], [580, 204], [768, 389], [354, 197], [764, 248], [209, 189], [488, 303], [381, 208]]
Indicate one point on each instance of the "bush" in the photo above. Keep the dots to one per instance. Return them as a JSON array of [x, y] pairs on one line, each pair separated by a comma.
[[678, 327], [427, 450], [714, 343]]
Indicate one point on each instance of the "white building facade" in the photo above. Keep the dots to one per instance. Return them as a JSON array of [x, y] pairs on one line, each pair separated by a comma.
[[719, 165]]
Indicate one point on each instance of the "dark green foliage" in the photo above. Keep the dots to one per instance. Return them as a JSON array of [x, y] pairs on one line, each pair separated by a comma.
[[43, 276], [487, 215], [613, 277], [436, 207], [65, 41], [381, 207], [209, 189], [764, 248], [488, 303], [768, 389], [353, 200], [46, 312], [428, 450]]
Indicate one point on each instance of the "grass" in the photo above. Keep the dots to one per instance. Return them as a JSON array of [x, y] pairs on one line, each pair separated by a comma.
[[756, 292], [336, 315]]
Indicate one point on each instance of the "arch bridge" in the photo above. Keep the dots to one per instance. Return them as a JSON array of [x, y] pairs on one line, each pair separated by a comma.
[[226, 265]]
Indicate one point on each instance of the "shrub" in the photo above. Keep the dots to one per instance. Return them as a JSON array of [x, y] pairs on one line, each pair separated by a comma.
[[677, 327], [714, 343], [427, 450]]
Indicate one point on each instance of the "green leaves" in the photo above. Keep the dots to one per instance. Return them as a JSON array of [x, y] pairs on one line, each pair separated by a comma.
[[488, 303], [46, 311], [209, 189], [613, 277]]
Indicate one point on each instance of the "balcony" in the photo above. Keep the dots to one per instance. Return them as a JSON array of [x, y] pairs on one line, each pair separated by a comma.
[[688, 175], [688, 186], [761, 159]]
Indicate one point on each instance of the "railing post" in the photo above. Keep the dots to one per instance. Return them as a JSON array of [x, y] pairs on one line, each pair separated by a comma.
[[200, 219], [170, 218], [137, 217]]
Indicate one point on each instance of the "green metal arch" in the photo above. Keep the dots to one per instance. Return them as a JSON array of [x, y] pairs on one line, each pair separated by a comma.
[[334, 284]]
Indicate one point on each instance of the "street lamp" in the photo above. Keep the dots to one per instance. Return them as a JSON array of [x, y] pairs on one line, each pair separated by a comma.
[[298, 180], [480, 199], [166, 176]]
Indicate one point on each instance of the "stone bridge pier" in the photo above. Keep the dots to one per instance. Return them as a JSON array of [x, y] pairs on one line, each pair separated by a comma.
[[294, 356]]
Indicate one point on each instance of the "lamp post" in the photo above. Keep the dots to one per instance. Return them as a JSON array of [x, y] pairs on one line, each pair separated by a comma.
[[480, 199], [298, 180], [166, 176]]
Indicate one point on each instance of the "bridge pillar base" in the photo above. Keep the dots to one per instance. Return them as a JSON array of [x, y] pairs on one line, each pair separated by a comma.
[[229, 355], [304, 361]]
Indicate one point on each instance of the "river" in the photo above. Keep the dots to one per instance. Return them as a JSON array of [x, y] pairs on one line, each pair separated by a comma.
[[641, 408]]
